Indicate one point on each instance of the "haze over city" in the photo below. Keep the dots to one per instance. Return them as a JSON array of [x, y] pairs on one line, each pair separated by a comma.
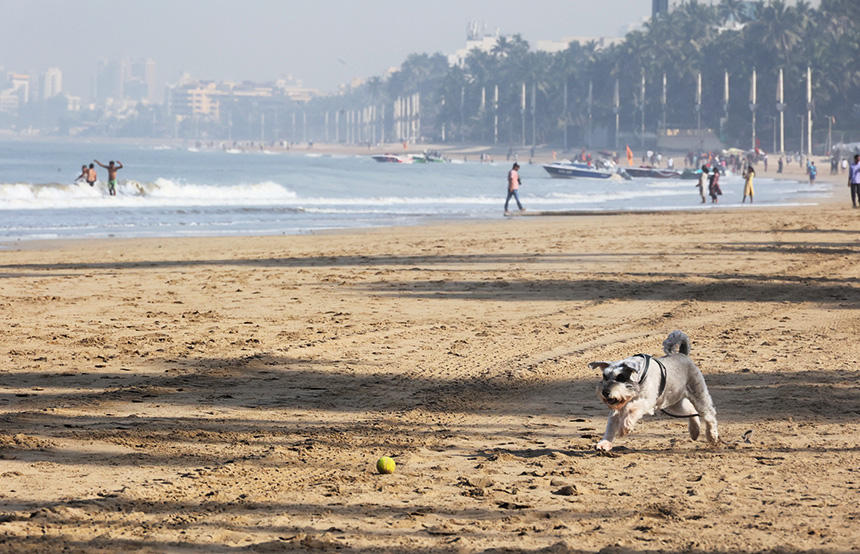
[[363, 276], [322, 44]]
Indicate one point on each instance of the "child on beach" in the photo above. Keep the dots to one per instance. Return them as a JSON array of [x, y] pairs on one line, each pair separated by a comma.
[[714, 187], [700, 184]]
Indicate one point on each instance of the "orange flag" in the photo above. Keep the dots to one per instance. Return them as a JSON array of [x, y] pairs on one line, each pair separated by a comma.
[[629, 155]]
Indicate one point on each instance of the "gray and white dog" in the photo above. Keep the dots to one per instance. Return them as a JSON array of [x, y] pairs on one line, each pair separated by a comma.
[[640, 384]]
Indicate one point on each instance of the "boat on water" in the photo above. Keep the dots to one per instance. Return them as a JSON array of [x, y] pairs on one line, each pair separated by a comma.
[[391, 158], [691, 174], [652, 172], [428, 157], [602, 169]]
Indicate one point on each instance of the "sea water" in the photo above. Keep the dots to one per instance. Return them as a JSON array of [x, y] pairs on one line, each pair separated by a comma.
[[170, 191]]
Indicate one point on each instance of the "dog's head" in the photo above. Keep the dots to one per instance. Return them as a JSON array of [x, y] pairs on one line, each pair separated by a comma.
[[621, 380]]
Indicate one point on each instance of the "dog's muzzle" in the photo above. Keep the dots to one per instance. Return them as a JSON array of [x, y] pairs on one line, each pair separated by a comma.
[[612, 402]]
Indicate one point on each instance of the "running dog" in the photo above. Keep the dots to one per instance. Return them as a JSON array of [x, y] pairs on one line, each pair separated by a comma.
[[640, 384]]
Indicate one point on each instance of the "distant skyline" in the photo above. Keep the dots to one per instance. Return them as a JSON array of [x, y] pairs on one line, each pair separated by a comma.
[[323, 44]]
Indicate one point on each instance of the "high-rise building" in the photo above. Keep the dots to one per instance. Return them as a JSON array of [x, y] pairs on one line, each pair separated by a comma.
[[140, 82], [658, 7], [123, 79], [15, 92], [20, 83], [110, 80], [51, 83]]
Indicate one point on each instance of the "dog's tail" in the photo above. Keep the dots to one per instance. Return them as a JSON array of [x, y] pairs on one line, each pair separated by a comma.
[[677, 342]]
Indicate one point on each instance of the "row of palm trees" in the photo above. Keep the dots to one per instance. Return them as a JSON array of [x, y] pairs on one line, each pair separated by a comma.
[[572, 97]]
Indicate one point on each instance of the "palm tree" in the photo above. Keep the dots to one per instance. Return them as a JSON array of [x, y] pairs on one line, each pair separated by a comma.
[[736, 10], [778, 28]]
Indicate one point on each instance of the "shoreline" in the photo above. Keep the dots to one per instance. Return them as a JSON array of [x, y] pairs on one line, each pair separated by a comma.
[[830, 200], [9, 245], [42, 244]]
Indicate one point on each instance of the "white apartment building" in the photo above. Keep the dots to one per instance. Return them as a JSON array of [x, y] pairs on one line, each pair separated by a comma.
[[52, 83]]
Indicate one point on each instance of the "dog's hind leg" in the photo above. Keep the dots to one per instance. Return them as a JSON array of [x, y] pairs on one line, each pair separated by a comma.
[[694, 424], [685, 408], [705, 408]]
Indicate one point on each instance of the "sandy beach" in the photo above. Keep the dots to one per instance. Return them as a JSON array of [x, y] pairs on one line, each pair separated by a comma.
[[223, 394]]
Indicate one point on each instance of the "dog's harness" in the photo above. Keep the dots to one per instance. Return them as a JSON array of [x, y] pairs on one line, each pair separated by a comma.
[[662, 388]]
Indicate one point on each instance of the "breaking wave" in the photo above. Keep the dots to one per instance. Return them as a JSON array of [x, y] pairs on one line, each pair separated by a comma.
[[129, 193]]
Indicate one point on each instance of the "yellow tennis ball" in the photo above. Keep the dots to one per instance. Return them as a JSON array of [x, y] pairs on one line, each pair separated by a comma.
[[385, 465]]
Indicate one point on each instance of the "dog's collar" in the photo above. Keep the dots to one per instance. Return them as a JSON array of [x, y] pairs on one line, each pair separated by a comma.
[[648, 359]]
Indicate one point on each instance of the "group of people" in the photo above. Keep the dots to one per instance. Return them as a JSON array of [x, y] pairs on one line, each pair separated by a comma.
[[837, 163], [89, 174], [710, 181]]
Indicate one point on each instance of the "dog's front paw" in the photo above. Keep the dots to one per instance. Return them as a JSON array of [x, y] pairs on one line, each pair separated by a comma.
[[603, 445]]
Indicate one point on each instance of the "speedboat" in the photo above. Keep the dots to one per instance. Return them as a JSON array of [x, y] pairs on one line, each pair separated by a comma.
[[691, 174], [602, 169], [652, 172], [427, 157], [391, 158]]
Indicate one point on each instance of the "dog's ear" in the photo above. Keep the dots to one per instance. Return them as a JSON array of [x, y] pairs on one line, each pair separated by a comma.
[[637, 364], [599, 365]]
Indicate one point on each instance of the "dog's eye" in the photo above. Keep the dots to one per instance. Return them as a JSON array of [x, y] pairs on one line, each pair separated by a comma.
[[622, 378]]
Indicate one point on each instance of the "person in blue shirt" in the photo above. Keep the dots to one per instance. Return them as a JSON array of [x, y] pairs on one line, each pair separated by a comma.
[[854, 181], [813, 171]]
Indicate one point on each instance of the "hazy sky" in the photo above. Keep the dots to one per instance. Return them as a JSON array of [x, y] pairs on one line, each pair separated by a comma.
[[321, 42]]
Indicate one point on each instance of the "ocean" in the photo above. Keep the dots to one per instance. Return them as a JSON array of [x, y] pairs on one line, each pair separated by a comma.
[[172, 192]]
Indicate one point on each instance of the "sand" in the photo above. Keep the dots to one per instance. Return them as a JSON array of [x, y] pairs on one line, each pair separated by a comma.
[[224, 394]]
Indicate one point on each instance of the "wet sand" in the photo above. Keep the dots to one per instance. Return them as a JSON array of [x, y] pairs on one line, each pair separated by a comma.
[[222, 394]]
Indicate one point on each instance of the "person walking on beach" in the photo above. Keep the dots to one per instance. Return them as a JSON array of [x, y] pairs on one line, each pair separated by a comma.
[[854, 181], [714, 186], [700, 184], [513, 187], [813, 171], [749, 173], [112, 169]]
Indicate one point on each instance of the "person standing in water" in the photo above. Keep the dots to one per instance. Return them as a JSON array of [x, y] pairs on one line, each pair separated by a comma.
[[703, 181], [83, 174], [749, 173], [714, 187], [92, 175], [112, 169]]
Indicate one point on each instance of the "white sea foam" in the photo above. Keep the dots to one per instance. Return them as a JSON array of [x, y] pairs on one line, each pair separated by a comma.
[[161, 192]]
